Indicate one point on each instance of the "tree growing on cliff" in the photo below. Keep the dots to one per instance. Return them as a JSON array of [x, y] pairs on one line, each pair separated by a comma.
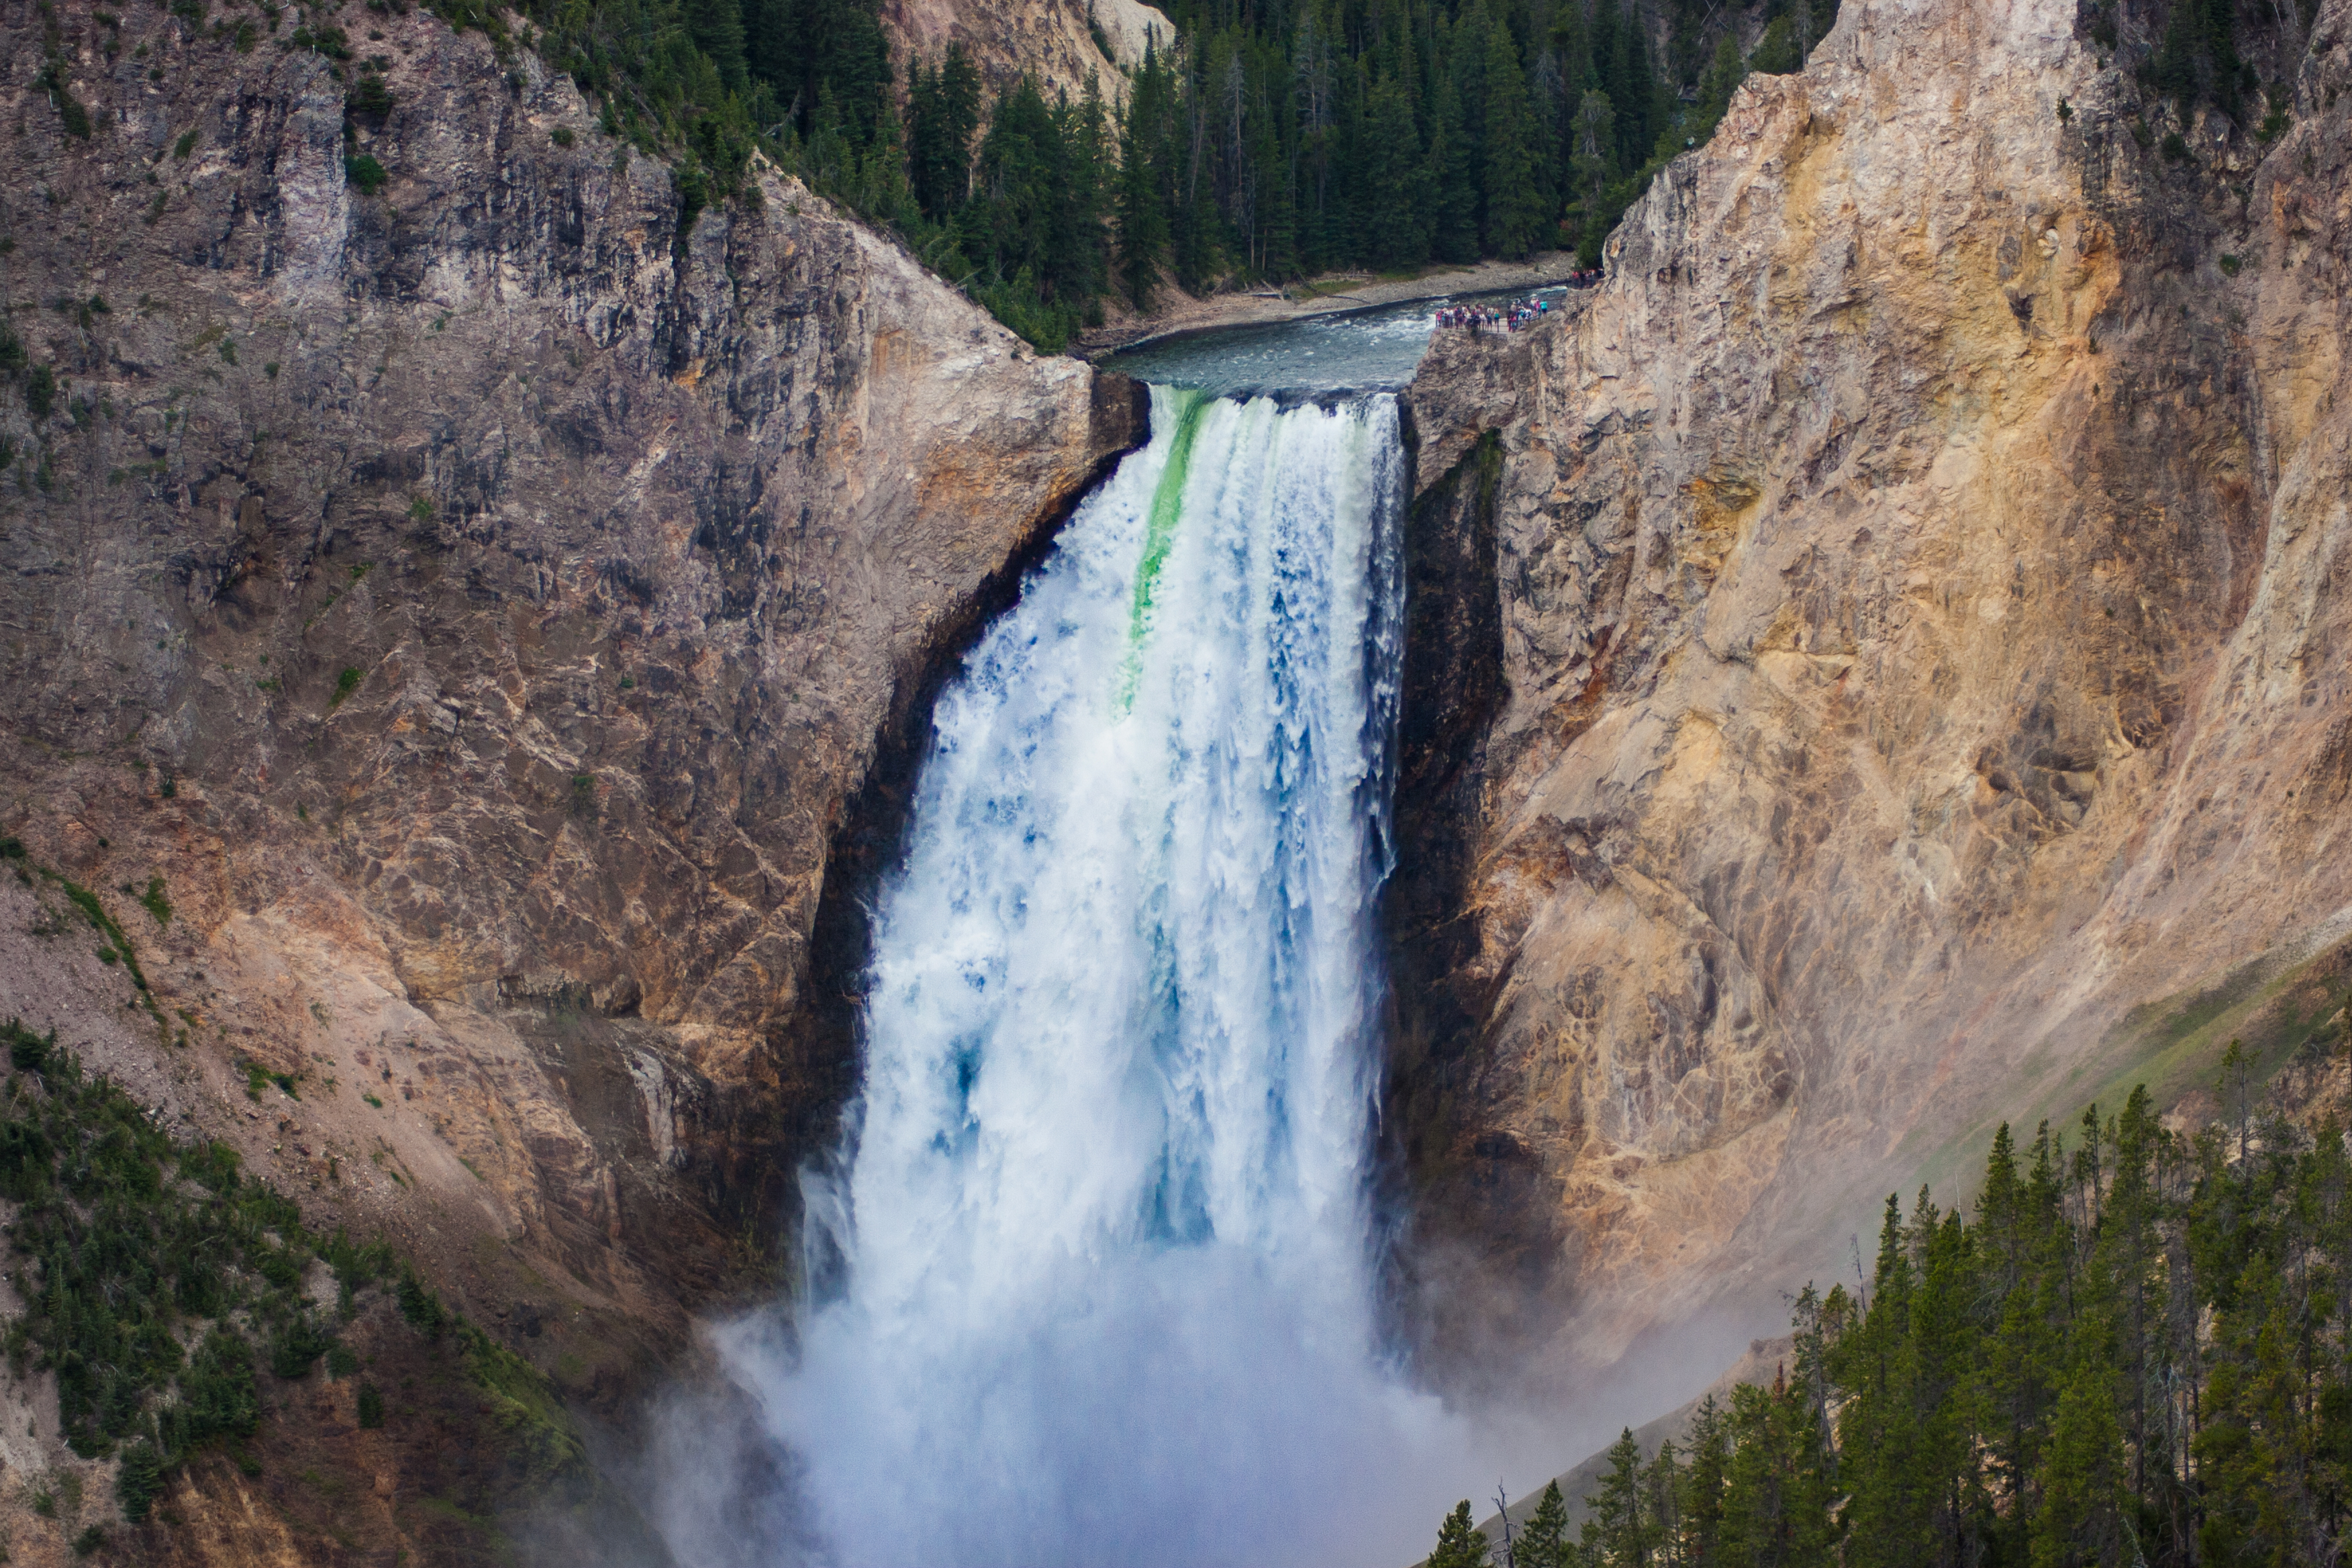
[[2137, 1350], [1460, 1542], [943, 117], [1542, 1541]]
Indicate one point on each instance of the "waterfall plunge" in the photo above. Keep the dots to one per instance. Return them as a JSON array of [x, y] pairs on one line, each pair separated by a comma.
[[1095, 1280]]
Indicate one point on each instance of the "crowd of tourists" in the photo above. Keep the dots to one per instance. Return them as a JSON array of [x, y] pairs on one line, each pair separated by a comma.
[[1493, 317], [1512, 317]]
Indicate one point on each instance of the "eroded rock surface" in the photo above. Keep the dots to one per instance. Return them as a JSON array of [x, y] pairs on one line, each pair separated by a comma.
[[1914, 673], [483, 606], [1064, 44]]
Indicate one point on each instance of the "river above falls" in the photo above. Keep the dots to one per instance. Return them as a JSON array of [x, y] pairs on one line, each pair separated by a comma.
[[1374, 350]]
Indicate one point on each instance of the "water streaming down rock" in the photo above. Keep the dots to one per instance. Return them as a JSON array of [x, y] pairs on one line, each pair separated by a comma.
[[1094, 1284]]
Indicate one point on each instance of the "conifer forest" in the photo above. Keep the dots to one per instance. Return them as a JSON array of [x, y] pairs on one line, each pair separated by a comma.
[[1269, 140], [2133, 1349]]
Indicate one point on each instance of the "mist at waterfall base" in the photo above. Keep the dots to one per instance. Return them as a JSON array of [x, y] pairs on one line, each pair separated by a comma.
[[1094, 1282]]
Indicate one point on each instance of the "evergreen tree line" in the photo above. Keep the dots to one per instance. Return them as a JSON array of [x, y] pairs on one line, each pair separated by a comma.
[[2137, 1351], [1285, 140], [1268, 141]]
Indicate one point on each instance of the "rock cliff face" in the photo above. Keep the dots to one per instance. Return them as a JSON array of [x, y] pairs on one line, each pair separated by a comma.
[[1062, 43], [1911, 692], [495, 614]]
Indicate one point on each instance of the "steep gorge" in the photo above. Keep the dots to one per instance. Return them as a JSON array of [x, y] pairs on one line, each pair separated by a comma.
[[1868, 662], [1909, 694], [498, 612]]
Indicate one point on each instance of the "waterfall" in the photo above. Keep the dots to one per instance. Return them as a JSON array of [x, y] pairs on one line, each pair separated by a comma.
[[1093, 1278]]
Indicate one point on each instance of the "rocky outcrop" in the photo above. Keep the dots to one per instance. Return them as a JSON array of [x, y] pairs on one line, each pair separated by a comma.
[[482, 602], [1064, 44], [1908, 697]]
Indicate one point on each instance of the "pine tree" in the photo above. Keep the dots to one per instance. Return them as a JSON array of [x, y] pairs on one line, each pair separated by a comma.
[[943, 116], [1777, 53], [2132, 1357], [1460, 1542], [717, 28], [1704, 1483], [2081, 1520], [1542, 1541], [1452, 184], [1514, 202], [1142, 203], [1595, 123], [1396, 182], [1617, 1532]]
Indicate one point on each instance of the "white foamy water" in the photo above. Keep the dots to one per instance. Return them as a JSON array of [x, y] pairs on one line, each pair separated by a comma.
[[1093, 1278]]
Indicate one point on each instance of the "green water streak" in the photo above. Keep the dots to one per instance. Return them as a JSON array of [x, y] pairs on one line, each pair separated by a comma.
[[1160, 535]]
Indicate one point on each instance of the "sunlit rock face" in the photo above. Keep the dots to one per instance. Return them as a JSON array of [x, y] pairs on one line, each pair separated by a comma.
[[481, 600], [1885, 663], [1063, 44]]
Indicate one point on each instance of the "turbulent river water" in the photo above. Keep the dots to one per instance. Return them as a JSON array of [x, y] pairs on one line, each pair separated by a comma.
[[1094, 1281]]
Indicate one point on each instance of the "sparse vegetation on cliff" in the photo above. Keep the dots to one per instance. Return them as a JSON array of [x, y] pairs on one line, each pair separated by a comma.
[[2140, 1350], [155, 1275]]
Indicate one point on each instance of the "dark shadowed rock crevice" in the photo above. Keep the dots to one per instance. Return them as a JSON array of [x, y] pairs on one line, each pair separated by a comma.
[[817, 1050]]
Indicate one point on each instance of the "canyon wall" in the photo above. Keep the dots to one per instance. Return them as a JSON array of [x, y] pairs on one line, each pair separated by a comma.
[[499, 614], [1908, 688], [1064, 44]]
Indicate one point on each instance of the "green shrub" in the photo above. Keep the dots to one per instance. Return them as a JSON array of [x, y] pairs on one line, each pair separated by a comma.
[[27, 1052], [282, 1266], [522, 1406], [345, 684], [2276, 120], [420, 1306], [2174, 149], [71, 112], [211, 1164], [296, 1346], [341, 1361], [41, 391], [156, 903], [218, 1396], [1777, 52], [139, 1479], [185, 145], [365, 174], [324, 37], [89, 1541], [560, 136], [369, 97], [370, 1406]]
